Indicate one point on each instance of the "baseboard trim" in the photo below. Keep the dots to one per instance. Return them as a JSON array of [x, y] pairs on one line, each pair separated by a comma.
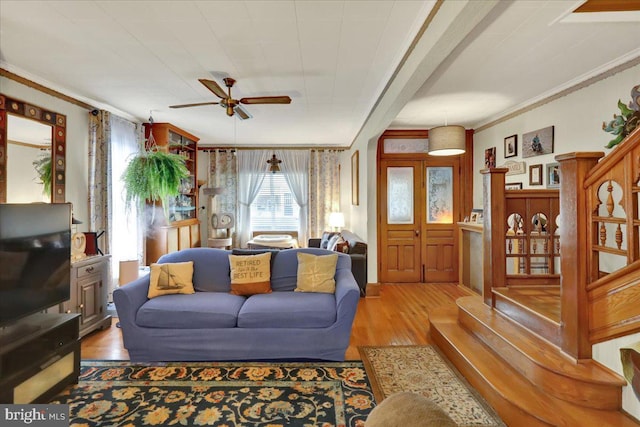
[[373, 290]]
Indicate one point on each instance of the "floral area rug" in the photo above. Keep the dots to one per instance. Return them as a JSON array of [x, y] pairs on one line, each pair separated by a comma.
[[220, 394], [422, 370]]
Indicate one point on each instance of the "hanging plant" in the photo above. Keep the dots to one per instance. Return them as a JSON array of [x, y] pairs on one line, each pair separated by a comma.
[[624, 123], [153, 175], [43, 169]]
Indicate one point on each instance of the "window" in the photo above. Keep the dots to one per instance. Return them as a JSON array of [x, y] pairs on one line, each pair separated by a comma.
[[275, 208], [126, 235]]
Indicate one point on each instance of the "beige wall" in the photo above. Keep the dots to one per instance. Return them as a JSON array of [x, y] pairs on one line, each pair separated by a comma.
[[577, 119]]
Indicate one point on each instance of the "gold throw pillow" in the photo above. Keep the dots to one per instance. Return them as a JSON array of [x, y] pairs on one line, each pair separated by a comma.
[[316, 273], [250, 274], [171, 278]]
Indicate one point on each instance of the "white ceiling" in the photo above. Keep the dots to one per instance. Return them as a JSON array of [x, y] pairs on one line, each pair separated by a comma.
[[333, 58]]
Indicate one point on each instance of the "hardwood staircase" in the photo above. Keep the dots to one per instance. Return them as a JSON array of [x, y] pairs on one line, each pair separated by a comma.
[[528, 380]]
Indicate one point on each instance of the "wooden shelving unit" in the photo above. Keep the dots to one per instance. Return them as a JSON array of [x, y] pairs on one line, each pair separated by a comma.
[[182, 230]]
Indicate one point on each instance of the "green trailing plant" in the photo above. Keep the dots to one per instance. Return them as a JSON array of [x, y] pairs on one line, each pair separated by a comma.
[[153, 175], [625, 122], [42, 166]]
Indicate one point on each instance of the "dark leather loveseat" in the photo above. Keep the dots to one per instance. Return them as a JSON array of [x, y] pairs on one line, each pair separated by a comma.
[[355, 247]]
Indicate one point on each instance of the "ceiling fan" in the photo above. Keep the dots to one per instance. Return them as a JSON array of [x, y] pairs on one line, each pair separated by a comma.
[[233, 105]]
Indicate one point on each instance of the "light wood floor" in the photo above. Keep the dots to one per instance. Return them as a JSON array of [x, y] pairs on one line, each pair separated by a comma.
[[400, 316], [544, 300]]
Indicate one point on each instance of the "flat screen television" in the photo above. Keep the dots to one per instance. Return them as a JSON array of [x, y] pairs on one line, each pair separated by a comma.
[[35, 253]]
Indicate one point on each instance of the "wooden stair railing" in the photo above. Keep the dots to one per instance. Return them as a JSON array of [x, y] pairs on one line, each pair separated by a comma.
[[598, 234], [521, 239], [601, 259]]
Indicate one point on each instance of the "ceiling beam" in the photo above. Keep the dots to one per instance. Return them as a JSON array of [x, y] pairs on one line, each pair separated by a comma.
[[447, 28]]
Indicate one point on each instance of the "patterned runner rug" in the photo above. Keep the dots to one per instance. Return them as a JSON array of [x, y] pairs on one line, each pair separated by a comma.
[[422, 370], [220, 394]]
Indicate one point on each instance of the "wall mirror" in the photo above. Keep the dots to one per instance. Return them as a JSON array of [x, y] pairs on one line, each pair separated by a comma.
[[32, 141]]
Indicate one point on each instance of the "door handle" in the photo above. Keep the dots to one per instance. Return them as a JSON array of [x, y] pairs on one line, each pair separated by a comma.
[[417, 232]]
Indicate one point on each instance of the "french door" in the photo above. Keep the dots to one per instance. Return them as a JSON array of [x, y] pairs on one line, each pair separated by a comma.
[[419, 204]]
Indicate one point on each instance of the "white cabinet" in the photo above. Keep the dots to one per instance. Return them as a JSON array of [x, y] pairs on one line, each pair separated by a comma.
[[90, 278]]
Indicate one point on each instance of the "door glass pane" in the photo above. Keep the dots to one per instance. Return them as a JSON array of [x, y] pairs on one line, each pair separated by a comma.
[[440, 195], [405, 146], [400, 195]]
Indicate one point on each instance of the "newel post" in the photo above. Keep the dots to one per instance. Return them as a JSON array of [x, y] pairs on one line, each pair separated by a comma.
[[574, 252], [493, 243]]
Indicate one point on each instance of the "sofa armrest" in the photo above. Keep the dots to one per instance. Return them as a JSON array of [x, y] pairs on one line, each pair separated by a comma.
[[314, 242], [347, 295], [129, 298], [359, 270]]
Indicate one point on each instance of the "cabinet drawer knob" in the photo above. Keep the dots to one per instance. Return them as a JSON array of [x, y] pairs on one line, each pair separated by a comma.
[[89, 269], [68, 311], [81, 306]]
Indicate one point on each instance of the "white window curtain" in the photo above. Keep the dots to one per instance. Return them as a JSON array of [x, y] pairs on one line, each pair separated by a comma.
[[126, 232], [295, 168], [252, 164]]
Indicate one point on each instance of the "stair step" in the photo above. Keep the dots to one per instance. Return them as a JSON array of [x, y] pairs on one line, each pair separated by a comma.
[[586, 383], [545, 327], [514, 398]]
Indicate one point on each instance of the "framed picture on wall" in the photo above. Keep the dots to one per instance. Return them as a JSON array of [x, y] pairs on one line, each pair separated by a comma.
[[538, 142], [355, 178], [490, 158], [511, 146], [553, 175], [513, 186], [535, 174], [476, 216]]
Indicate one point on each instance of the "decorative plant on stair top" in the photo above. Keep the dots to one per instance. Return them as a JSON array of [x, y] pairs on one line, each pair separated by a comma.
[[153, 175], [623, 124]]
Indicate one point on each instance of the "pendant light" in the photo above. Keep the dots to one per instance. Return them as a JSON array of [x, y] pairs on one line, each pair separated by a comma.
[[447, 140]]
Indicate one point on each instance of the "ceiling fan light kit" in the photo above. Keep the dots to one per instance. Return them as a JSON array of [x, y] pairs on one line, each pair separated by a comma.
[[447, 140], [233, 106]]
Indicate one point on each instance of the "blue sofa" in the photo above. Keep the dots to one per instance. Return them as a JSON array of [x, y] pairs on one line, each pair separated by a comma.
[[213, 324]]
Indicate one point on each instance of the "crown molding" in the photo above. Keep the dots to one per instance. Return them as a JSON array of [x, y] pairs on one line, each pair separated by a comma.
[[38, 83], [603, 72]]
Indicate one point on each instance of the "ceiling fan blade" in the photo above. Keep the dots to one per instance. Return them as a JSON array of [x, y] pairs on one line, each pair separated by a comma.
[[266, 100], [193, 105], [214, 87], [242, 113]]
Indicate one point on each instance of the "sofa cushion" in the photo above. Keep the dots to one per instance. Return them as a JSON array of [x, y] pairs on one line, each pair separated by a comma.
[[331, 245], [342, 246], [288, 310], [250, 274], [326, 236], [316, 273], [210, 267], [356, 244], [202, 310], [171, 278], [284, 273]]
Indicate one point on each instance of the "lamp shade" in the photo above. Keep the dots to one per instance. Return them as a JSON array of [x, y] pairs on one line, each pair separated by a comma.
[[447, 140], [336, 219]]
